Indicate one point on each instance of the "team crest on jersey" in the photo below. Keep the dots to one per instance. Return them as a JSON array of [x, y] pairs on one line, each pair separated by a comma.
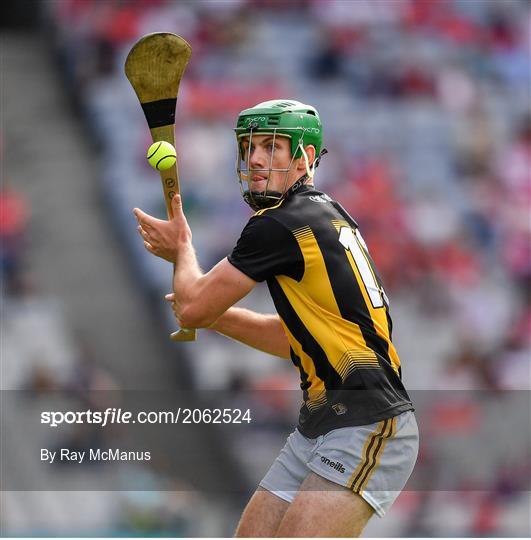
[[339, 408]]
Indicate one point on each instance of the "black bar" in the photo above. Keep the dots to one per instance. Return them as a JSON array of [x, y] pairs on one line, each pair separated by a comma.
[[160, 113]]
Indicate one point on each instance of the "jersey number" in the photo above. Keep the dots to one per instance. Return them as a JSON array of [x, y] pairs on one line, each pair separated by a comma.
[[353, 241]]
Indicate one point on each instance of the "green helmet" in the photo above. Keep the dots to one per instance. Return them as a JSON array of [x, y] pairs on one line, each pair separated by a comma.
[[286, 117], [280, 118]]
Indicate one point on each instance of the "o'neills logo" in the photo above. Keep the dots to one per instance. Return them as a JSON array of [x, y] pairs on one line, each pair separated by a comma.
[[334, 464]]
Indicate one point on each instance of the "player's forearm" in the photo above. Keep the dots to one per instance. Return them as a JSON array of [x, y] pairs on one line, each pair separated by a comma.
[[186, 276], [262, 332]]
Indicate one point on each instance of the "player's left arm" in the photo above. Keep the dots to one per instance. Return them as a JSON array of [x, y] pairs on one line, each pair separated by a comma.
[[199, 299]]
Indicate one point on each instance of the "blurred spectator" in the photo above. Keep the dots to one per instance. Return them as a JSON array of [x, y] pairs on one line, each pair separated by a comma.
[[328, 61], [514, 169], [469, 369], [14, 220]]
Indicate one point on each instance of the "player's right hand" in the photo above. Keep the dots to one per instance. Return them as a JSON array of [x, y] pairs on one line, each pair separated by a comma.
[[164, 238]]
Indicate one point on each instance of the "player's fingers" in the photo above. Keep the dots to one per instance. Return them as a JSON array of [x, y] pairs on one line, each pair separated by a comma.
[[149, 247], [144, 219], [139, 214], [142, 232], [176, 204]]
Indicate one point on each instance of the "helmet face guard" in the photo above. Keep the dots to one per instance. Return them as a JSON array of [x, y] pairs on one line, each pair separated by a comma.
[[278, 118], [265, 198]]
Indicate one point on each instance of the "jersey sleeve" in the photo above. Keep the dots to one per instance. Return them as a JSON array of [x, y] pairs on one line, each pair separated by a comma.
[[265, 249]]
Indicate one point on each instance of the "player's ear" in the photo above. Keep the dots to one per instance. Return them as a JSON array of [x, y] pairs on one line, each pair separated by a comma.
[[310, 152]]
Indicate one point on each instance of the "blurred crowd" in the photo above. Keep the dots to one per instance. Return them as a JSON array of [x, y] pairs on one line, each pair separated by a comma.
[[427, 117], [43, 358]]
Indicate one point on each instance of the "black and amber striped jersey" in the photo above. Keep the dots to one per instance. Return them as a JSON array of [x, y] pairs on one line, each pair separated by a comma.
[[332, 306]]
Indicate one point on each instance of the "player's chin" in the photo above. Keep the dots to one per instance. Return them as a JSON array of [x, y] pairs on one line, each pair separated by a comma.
[[258, 185]]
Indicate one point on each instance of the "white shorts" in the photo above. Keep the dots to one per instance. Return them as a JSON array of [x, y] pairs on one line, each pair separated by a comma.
[[374, 461]]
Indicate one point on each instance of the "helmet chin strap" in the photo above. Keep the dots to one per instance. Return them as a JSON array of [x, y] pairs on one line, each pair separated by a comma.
[[310, 170]]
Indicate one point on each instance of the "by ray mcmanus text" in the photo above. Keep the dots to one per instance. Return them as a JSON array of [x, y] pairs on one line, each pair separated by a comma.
[[66, 455]]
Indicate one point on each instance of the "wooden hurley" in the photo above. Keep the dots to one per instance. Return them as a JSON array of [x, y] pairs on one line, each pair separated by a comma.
[[154, 67]]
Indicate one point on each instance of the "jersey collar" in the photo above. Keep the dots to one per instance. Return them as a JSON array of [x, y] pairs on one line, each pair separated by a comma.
[[299, 186]]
